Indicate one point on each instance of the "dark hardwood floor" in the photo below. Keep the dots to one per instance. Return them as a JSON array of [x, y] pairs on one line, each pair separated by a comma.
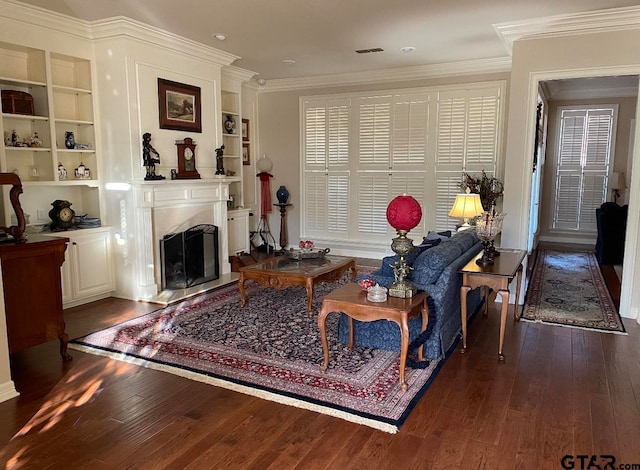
[[560, 391]]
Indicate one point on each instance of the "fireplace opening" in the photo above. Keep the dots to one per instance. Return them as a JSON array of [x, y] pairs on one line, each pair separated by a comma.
[[189, 258]]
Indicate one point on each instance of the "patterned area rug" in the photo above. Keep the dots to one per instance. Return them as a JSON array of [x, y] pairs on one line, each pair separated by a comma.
[[271, 349], [568, 289]]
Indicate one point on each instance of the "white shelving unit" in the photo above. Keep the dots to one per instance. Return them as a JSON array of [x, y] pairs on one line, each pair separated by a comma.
[[231, 107], [63, 101]]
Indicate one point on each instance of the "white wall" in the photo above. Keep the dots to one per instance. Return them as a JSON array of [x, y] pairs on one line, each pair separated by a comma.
[[580, 55]]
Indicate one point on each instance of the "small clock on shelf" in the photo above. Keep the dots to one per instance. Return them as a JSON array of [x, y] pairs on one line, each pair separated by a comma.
[[187, 159], [62, 216]]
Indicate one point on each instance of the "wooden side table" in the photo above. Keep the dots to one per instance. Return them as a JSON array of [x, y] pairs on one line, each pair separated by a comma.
[[496, 276], [352, 300]]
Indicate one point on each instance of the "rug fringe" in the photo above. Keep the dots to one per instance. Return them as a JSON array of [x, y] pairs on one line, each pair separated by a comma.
[[381, 426], [564, 325]]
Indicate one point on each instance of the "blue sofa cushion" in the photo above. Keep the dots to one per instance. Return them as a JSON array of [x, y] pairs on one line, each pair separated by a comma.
[[466, 239], [431, 263]]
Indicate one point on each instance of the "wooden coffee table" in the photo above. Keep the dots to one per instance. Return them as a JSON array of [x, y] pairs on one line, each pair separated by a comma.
[[281, 272], [352, 301]]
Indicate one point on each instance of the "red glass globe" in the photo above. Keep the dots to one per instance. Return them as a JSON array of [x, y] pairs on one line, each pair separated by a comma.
[[404, 213]]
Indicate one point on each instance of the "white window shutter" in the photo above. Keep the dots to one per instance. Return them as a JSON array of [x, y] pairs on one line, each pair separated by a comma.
[[582, 165], [410, 126], [373, 199], [374, 132]]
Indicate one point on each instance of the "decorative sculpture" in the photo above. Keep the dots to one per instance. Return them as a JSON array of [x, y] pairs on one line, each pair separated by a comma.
[[220, 161], [150, 157]]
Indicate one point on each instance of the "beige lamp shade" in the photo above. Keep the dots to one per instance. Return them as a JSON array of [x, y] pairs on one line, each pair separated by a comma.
[[466, 206]]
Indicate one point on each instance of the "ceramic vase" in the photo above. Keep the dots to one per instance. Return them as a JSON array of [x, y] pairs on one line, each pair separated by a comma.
[[282, 194], [69, 140]]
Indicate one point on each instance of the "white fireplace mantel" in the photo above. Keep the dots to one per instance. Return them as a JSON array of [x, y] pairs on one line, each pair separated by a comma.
[[167, 206]]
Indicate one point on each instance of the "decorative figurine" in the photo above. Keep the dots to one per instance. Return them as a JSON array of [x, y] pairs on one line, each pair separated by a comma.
[[150, 157], [62, 172], [35, 140], [219, 161], [7, 138], [15, 138]]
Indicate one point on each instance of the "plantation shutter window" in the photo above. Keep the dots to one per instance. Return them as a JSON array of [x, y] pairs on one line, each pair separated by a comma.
[[467, 142], [583, 161], [361, 150]]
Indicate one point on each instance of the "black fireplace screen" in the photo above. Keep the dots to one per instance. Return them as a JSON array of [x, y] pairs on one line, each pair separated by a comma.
[[189, 258]]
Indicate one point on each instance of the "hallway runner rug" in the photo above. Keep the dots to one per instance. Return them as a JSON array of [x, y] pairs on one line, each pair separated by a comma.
[[567, 289], [270, 349]]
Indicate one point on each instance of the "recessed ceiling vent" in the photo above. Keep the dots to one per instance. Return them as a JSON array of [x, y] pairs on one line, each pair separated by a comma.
[[367, 51]]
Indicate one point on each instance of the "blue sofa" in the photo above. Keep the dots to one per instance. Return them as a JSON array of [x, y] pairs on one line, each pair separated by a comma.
[[435, 266]]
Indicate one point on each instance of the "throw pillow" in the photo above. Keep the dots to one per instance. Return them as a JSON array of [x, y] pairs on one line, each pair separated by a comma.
[[438, 235]]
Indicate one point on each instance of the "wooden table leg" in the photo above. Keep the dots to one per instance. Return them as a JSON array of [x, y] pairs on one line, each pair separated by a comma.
[[351, 334], [425, 323], [463, 314], [309, 288], [404, 346], [243, 296], [322, 316], [518, 282], [504, 294]]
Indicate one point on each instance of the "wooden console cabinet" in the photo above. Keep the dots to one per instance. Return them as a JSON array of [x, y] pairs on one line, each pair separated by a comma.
[[32, 292]]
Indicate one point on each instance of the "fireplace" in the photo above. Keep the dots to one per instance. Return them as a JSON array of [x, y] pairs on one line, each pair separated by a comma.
[[189, 258]]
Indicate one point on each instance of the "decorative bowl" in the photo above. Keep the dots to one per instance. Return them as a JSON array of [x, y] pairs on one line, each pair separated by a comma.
[[377, 294]]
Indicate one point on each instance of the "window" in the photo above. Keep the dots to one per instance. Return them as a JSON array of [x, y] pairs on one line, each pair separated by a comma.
[[583, 160], [359, 151]]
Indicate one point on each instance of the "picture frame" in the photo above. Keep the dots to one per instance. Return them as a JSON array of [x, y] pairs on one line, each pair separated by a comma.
[[245, 130], [246, 154], [179, 106]]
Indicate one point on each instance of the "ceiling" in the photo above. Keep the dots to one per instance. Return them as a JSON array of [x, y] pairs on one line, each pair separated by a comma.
[[321, 36]]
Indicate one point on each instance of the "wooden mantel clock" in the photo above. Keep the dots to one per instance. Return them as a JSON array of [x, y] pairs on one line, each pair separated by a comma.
[[187, 160]]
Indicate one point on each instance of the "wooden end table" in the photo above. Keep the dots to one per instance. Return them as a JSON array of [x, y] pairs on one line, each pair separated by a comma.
[[281, 272], [496, 276], [352, 300]]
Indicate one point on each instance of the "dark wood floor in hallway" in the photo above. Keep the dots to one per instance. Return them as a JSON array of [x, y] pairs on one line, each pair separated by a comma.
[[560, 392]]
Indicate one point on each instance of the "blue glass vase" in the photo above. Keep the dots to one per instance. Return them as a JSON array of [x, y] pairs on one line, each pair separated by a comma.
[[282, 194]]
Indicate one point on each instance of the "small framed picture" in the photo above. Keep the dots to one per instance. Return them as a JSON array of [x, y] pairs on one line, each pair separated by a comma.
[[246, 155], [245, 130], [179, 106]]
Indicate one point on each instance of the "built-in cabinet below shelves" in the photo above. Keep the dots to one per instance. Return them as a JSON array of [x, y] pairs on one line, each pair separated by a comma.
[[87, 273], [238, 228], [34, 145]]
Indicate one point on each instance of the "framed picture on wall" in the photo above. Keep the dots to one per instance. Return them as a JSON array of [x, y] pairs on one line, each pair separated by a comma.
[[179, 106], [246, 156], [245, 130]]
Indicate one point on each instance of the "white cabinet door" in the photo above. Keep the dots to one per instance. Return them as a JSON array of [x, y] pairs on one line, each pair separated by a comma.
[[87, 271], [92, 271], [238, 228]]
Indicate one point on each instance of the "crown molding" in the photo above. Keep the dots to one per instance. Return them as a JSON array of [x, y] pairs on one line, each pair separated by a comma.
[[236, 73], [598, 21], [121, 26], [421, 72], [41, 17]]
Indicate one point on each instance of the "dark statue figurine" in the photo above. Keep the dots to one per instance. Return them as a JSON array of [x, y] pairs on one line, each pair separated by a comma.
[[150, 157], [219, 161]]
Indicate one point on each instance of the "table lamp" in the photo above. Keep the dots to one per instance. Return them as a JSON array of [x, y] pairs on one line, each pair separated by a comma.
[[403, 214], [465, 207]]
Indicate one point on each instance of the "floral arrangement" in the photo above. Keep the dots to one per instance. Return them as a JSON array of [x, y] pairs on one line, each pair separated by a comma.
[[489, 188]]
